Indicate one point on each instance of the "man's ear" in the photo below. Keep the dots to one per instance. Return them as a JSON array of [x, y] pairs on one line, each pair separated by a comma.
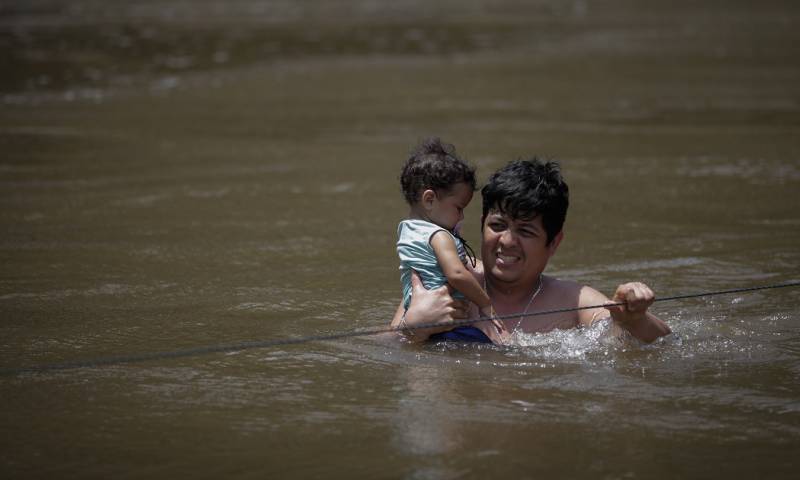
[[427, 198], [556, 242]]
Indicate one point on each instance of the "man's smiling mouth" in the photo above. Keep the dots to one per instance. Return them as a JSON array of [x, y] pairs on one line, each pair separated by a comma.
[[507, 259]]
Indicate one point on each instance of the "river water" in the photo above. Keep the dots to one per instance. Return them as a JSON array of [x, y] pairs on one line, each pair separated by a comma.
[[177, 175]]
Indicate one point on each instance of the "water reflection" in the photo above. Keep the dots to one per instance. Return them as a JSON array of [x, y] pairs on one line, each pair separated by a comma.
[[424, 422]]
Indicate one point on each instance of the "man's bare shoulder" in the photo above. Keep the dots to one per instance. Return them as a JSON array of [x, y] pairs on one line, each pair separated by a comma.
[[582, 296]]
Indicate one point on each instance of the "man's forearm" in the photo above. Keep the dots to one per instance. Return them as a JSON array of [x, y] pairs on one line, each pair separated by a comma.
[[648, 328]]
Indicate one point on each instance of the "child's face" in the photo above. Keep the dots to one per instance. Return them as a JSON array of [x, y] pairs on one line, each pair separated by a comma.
[[448, 209]]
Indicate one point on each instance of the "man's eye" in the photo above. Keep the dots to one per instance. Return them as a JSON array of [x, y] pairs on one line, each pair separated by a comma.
[[497, 227]]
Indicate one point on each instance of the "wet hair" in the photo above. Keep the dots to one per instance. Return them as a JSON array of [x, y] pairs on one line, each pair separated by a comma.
[[434, 165], [525, 189]]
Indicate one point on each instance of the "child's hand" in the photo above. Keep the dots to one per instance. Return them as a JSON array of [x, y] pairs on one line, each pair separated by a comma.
[[504, 338], [488, 312]]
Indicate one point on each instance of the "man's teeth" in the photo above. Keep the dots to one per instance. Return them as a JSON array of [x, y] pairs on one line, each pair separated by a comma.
[[507, 258]]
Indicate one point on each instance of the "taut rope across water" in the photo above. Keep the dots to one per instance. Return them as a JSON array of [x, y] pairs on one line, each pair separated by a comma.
[[233, 347]]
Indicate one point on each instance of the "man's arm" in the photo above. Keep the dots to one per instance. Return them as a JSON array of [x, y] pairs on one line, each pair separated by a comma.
[[428, 307], [633, 316]]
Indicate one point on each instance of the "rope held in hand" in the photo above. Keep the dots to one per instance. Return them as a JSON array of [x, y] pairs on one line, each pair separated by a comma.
[[234, 347]]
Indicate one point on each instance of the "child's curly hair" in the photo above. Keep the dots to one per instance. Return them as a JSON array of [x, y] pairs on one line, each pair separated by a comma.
[[434, 165]]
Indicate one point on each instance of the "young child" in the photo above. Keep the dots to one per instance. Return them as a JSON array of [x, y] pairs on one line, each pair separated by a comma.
[[438, 186]]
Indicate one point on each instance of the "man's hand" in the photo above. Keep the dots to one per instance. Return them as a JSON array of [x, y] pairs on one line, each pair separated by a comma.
[[428, 307], [437, 306], [637, 298]]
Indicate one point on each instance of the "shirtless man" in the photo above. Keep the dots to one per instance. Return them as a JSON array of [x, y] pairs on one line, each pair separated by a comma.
[[524, 207]]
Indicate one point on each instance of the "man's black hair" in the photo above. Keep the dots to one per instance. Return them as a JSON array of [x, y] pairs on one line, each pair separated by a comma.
[[434, 165], [525, 189]]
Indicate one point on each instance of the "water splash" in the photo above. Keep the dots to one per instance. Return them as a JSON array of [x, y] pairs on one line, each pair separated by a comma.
[[597, 341]]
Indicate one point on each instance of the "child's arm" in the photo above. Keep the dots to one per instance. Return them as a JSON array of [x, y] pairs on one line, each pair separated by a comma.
[[458, 275]]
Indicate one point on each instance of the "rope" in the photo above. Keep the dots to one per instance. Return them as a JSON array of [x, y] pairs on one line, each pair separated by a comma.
[[235, 347]]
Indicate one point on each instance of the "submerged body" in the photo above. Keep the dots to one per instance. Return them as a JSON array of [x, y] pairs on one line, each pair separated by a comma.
[[554, 294]]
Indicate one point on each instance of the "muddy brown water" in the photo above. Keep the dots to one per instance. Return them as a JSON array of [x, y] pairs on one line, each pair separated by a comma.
[[185, 174]]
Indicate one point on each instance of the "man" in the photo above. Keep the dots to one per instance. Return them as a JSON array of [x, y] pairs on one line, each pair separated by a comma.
[[524, 208]]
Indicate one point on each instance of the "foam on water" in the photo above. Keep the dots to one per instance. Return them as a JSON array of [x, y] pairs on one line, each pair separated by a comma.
[[573, 344]]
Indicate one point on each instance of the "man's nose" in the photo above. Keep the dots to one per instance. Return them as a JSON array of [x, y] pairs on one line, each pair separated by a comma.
[[508, 237]]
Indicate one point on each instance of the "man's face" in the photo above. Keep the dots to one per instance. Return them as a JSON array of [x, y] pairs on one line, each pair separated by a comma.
[[515, 250]]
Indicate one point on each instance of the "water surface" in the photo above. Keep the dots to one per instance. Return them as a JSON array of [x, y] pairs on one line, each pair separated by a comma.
[[183, 174]]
